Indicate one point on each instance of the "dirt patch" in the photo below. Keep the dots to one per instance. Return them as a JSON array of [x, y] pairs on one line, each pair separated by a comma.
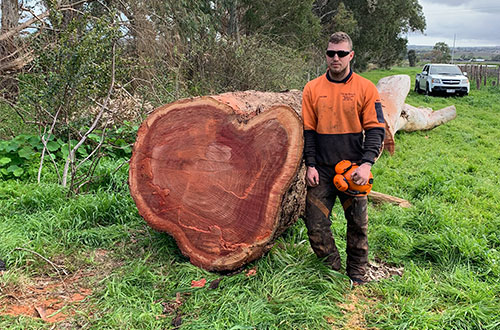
[[55, 298]]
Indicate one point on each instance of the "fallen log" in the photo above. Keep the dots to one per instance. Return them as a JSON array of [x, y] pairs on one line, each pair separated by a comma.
[[404, 117], [393, 91], [223, 175], [421, 119], [378, 198]]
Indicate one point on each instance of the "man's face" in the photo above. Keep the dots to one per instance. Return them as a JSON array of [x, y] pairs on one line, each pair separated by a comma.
[[336, 64]]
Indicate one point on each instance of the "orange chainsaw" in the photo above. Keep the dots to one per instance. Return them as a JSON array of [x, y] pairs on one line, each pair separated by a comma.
[[343, 179]]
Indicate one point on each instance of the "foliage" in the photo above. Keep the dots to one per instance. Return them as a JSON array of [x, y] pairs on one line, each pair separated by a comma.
[[380, 27], [288, 22], [19, 155], [441, 53], [73, 70], [254, 63]]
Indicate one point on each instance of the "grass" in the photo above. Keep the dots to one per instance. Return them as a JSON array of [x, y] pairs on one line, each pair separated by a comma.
[[448, 244]]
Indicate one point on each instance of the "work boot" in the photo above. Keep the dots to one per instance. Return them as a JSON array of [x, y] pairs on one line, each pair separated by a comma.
[[359, 280]]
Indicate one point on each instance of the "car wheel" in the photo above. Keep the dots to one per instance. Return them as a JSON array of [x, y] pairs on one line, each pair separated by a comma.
[[417, 87], [427, 90]]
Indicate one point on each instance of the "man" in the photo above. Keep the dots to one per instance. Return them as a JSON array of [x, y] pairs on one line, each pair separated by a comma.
[[343, 119]]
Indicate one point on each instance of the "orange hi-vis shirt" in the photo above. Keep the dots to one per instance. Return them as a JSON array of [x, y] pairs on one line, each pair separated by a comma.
[[342, 120]]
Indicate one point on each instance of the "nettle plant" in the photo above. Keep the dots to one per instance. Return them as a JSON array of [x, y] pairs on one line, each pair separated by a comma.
[[22, 153]]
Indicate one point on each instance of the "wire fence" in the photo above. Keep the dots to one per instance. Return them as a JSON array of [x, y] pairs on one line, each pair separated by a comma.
[[481, 74]]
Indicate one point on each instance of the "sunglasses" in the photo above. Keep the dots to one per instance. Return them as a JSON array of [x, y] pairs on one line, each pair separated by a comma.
[[340, 53]]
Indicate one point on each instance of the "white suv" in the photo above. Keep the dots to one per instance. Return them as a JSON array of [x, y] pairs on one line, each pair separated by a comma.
[[442, 78]]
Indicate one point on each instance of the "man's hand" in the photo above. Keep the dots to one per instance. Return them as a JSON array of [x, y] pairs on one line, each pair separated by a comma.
[[312, 176], [361, 175]]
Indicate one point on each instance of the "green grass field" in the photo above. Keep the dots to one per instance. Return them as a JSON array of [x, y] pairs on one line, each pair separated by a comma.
[[131, 277]]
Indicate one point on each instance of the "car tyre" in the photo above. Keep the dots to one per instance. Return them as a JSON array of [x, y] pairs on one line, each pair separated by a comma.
[[427, 90], [417, 87]]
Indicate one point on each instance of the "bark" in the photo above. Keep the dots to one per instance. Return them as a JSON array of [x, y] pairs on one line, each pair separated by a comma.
[[223, 175], [10, 14], [378, 197]]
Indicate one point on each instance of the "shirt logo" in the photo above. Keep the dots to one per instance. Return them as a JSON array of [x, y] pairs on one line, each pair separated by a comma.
[[348, 96]]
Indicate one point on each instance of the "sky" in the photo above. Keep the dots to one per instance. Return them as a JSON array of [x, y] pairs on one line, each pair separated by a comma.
[[473, 22]]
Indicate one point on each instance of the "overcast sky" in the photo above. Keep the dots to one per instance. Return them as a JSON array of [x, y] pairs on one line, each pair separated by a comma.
[[474, 22]]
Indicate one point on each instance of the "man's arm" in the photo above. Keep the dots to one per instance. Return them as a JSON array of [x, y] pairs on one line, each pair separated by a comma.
[[374, 127], [310, 122]]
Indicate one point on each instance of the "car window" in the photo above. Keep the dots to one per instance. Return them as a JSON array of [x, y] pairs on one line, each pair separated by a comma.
[[445, 69]]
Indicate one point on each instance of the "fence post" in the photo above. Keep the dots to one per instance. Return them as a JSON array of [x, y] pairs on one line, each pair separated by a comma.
[[498, 76]]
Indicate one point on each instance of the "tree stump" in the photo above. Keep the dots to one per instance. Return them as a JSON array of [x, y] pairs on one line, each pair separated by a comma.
[[223, 175]]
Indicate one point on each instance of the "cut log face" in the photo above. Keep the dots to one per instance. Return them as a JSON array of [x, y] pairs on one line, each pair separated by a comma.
[[214, 177]]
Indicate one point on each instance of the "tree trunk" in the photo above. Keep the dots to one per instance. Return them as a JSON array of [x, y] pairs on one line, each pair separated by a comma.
[[400, 116], [393, 91], [10, 14], [8, 48], [421, 119], [223, 174]]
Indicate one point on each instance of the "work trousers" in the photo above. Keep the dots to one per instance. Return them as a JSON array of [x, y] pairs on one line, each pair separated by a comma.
[[319, 204]]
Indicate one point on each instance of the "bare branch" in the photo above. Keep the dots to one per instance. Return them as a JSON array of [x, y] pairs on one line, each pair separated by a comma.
[[56, 267], [36, 18], [96, 120], [23, 26], [44, 142]]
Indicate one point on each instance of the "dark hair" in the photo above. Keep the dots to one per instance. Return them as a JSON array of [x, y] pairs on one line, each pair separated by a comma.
[[339, 37]]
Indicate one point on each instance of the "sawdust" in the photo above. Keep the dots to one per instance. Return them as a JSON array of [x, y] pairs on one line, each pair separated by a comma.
[[357, 304], [378, 270], [55, 299], [48, 298]]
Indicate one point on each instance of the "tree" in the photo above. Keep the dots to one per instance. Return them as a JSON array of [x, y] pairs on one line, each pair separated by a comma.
[[412, 57], [440, 53], [381, 25], [9, 52], [288, 22]]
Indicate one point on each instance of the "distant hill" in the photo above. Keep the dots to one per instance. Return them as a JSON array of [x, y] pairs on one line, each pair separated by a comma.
[[464, 53]]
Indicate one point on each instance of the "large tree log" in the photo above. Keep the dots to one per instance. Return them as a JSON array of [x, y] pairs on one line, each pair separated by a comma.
[[421, 119], [400, 116], [223, 175]]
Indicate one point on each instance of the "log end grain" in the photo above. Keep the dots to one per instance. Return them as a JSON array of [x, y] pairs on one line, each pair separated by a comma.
[[215, 179]]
